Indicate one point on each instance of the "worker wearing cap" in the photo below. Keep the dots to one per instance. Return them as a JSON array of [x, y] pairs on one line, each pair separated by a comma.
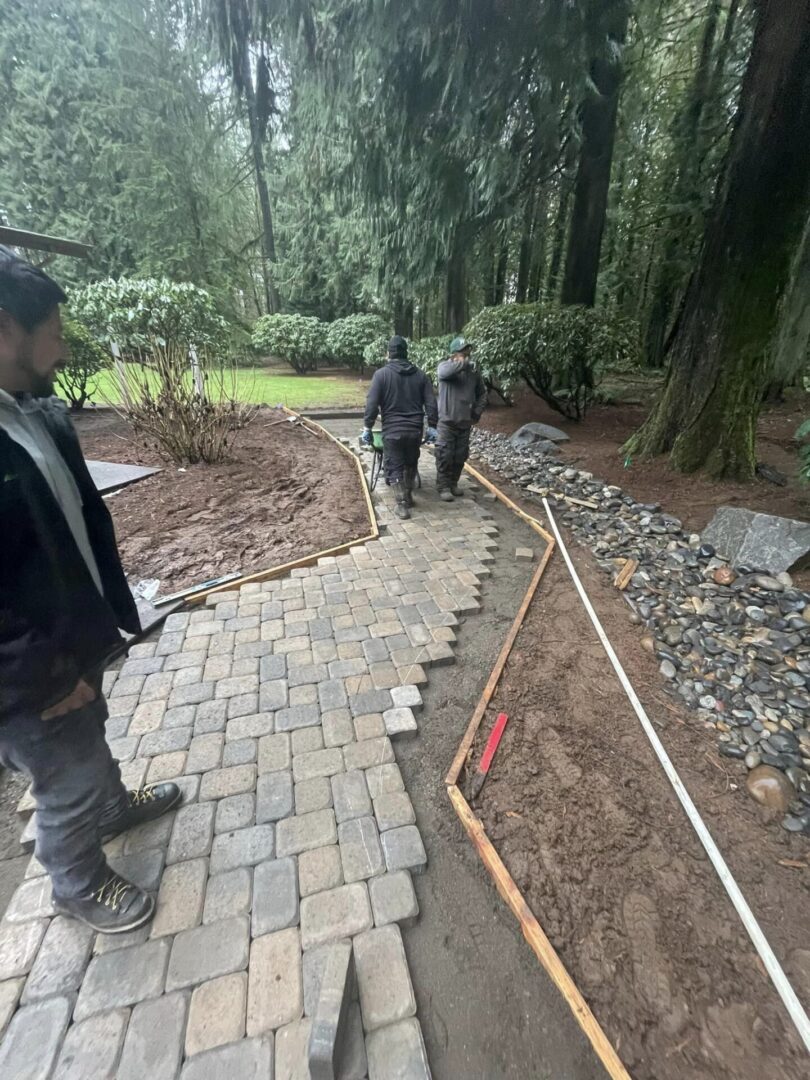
[[462, 398], [405, 397]]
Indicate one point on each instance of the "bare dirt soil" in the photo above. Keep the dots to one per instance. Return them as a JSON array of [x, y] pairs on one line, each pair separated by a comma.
[[596, 446], [590, 829], [283, 493]]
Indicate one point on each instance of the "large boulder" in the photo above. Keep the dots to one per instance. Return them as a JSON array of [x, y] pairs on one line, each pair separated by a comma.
[[530, 434], [761, 541]]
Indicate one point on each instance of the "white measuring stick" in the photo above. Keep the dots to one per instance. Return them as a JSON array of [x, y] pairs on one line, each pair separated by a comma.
[[772, 965]]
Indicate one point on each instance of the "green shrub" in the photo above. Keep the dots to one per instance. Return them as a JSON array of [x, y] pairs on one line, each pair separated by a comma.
[[375, 354], [298, 339], [134, 312], [562, 353], [347, 339], [428, 353], [77, 379]]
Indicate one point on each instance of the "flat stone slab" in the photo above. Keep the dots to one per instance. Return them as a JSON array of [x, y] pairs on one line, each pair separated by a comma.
[[397, 1050], [761, 541], [529, 434], [386, 990], [33, 1039], [110, 476]]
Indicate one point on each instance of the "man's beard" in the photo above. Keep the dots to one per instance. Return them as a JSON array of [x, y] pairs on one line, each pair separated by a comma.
[[39, 386]]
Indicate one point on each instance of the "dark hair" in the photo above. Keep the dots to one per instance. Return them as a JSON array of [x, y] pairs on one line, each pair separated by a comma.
[[26, 293]]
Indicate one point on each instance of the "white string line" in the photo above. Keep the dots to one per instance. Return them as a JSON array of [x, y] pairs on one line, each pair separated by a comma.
[[772, 965]]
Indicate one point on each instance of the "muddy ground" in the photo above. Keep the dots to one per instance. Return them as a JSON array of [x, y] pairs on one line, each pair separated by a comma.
[[584, 818], [596, 446], [284, 492]]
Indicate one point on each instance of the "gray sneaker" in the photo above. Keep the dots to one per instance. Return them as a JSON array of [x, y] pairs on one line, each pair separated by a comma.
[[446, 496], [114, 905]]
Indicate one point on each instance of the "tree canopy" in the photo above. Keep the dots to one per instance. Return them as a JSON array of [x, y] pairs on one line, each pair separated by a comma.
[[422, 162]]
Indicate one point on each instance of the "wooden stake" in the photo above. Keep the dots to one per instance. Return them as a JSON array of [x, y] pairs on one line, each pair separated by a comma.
[[534, 935], [622, 579], [538, 528]]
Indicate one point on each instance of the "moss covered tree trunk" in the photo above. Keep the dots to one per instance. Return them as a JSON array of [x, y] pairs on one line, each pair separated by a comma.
[[598, 118], [706, 415]]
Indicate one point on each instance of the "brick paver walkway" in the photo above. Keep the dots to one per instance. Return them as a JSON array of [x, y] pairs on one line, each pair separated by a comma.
[[277, 708]]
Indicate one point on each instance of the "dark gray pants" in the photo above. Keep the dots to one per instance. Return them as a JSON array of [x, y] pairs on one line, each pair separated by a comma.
[[76, 783], [452, 450], [401, 458]]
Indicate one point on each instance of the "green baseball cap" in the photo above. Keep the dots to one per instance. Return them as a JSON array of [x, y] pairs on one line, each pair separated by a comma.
[[459, 344]]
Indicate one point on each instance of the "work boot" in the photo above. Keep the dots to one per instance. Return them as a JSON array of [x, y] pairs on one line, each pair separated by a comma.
[[401, 509], [113, 905], [145, 804], [456, 490], [446, 495]]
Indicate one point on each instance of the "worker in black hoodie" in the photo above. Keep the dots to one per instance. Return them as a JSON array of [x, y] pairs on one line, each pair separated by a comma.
[[405, 396]]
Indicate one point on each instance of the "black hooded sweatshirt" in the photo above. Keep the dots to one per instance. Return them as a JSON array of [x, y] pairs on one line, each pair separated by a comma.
[[404, 395]]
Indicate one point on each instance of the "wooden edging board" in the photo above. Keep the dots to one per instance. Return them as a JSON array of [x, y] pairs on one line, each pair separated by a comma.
[[306, 560], [511, 894]]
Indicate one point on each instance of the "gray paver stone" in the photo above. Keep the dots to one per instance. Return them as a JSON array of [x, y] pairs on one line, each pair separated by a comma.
[[10, 991], [33, 1038], [153, 1045], [234, 781], [273, 694], [249, 725], [207, 951], [393, 810], [297, 716], [274, 753], [397, 1052], [92, 1048], [248, 705], [319, 869], [216, 1015], [274, 796], [228, 894], [192, 832], [211, 716], [315, 794], [370, 702], [276, 991], [308, 673], [248, 1059], [382, 779], [360, 850], [235, 812], [193, 694], [334, 914], [239, 752], [404, 849], [122, 978], [31, 900], [330, 1020], [406, 697], [368, 753], [338, 728], [205, 752], [317, 763], [400, 723], [306, 739], [307, 831], [383, 979], [61, 960], [350, 793], [370, 726], [393, 899], [243, 847], [292, 1042], [152, 834], [275, 896], [315, 961], [180, 897], [272, 668], [332, 694]]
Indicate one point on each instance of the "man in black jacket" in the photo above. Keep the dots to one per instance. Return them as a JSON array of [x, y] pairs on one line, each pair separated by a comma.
[[63, 596], [405, 396], [462, 399]]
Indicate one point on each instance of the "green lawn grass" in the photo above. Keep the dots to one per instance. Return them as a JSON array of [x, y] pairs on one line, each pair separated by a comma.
[[259, 386]]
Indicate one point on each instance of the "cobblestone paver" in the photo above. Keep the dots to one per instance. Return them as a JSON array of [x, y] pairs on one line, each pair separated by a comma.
[[277, 708]]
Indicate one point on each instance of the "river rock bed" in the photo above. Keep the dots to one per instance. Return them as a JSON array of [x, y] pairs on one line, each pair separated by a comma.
[[733, 642]]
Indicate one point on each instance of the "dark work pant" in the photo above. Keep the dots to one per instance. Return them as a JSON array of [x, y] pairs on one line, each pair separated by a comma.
[[401, 457], [452, 450], [76, 783]]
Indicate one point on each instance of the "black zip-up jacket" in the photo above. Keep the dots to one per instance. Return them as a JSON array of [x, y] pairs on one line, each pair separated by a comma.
[[55, 626], [404, 395]]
